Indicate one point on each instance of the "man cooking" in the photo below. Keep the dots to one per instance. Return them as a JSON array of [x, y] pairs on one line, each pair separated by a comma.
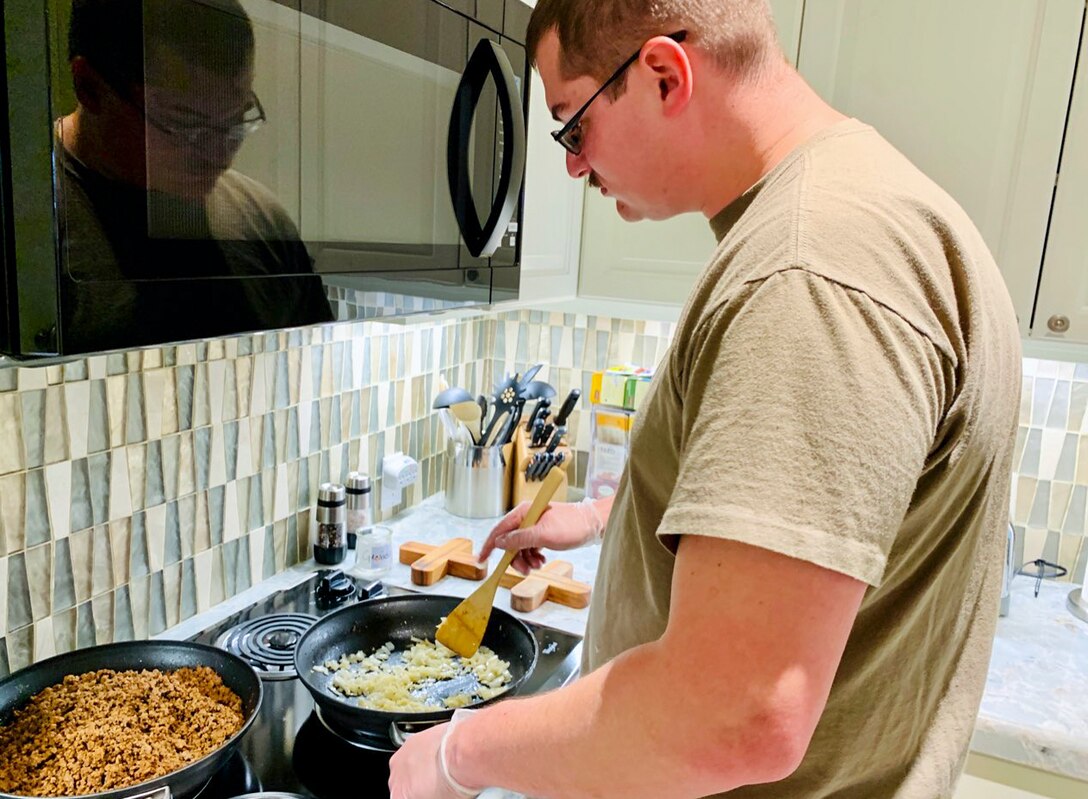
[[799, 580]]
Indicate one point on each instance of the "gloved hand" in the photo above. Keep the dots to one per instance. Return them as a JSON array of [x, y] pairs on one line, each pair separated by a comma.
[[419, 769], [563, 526]]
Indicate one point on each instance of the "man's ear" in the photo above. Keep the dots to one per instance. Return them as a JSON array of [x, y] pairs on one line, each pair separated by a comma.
[[671, 67], [89, 84]]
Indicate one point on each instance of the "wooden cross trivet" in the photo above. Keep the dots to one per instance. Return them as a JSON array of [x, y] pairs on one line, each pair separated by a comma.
[[553, 583], [431, 563]]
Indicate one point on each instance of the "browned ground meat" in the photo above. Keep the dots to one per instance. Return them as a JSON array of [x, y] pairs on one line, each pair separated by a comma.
[[110, 729]]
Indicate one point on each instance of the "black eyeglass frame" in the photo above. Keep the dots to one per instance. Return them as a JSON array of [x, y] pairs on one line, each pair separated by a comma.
[[563, 134], [198, 133]]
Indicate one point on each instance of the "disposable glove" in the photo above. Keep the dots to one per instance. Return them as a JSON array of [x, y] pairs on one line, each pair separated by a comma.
[[420, 768], [563, 526]]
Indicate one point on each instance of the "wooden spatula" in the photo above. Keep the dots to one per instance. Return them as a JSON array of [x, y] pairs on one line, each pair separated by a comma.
[[466, 624]]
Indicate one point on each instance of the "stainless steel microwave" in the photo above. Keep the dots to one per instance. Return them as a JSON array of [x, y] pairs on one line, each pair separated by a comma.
[[181, 169]]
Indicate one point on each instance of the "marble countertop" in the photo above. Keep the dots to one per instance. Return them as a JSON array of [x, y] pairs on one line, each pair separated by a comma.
[[1034, 711]]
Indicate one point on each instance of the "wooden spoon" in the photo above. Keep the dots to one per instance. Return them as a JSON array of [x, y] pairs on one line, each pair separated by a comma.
[[468, 412], [464, 627]]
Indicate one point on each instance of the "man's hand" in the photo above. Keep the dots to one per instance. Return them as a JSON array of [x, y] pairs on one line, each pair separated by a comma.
[[564, 525], [417, 770]]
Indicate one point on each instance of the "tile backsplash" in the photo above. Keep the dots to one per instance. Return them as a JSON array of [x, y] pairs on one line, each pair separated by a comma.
[[139, 488], [1050, 466]]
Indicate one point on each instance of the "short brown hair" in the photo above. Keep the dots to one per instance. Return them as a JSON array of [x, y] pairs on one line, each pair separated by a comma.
[[597, 36]]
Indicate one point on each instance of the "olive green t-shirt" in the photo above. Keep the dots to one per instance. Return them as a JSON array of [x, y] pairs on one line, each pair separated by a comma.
[[843, 387]]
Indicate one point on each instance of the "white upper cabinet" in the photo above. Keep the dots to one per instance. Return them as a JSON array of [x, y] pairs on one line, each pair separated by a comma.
[[975, 92], [787, 17], [553, 209], [657, 262], [1062, 309]]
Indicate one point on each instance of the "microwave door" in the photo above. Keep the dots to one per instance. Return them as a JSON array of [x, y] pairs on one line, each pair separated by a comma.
[[483, 238], [377, 83]]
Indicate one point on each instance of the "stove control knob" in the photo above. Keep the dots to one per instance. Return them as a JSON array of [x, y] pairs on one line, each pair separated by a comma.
[[334, 588]]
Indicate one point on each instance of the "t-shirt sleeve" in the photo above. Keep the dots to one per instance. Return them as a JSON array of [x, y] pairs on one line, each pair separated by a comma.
[[809, 410]]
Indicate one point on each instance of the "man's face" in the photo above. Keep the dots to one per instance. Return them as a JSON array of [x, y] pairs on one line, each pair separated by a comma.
[[189, 111], [624, 146]]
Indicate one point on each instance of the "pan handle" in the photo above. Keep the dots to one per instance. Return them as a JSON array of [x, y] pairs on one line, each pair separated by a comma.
[[401, 731]]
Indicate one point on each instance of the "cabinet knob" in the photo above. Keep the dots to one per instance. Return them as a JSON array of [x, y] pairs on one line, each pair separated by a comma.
[[1058, 324]]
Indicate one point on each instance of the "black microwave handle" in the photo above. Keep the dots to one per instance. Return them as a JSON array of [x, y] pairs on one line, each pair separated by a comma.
[[487, 59]]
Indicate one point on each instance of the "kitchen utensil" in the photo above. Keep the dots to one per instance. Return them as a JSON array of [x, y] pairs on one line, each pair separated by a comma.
[[530, 373], [536, 390], [368, 625], [556, 439], [537, 432], [553, 583], [546, 435], [532, 466], [451, 396], [556, 459], [550, 459], [543, 466], [483, 403], [512, 423], [237, 675], [468, 413], [568, 406], [496, 428], [449, 424], [466, 625], [503, 401], [455, 561], [538, 409], [525, 461]]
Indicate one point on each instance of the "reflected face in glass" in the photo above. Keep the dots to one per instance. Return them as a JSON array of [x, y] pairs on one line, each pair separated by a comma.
[[195, 123]]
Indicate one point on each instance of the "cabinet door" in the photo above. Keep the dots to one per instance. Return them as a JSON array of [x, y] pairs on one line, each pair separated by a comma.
[[657, 261], [1062, 310], [975, 92], [787, 17], [553, 209]]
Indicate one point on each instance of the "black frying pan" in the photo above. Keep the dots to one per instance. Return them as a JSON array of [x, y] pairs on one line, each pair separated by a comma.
[[366, 626], [239, 676]]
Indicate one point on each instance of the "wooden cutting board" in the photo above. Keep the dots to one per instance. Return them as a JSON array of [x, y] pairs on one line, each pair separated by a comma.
[[554, 583], [431, 563]]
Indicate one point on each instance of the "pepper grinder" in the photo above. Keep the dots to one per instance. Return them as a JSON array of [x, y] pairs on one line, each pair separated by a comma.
[[331, 539]]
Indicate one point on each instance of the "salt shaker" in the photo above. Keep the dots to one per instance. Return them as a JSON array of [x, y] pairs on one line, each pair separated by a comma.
[[358, 491], [331, 540]]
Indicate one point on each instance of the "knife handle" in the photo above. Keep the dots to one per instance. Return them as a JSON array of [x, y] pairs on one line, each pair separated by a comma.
[[568, 406], [546, 434], [556, 439], [540, 407]]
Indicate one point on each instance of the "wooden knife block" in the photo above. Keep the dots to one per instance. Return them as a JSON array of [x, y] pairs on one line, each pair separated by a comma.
[[431, 563], [553, 583], [523, 490]]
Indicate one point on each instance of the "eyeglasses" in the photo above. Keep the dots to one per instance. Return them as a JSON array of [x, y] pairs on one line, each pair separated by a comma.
[[570, 135], [252, 118]]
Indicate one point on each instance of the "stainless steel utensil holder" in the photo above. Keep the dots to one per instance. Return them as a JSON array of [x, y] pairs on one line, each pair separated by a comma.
[[477, 481]]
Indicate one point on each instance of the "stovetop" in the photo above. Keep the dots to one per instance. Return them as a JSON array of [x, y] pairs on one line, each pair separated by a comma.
[[287, 748]]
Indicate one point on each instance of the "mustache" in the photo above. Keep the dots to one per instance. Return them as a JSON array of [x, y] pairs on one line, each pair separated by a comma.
[[594, 181]]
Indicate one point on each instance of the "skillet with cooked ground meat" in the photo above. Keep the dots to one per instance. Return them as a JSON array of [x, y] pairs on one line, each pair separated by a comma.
[[106, 729]]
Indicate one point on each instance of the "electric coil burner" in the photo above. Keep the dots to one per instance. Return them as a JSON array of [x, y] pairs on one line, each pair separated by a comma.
[[267, 643], [288, 747]]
